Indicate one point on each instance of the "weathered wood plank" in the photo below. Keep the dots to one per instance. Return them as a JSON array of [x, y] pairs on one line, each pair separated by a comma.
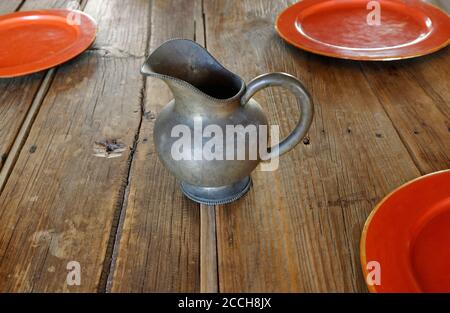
[[62, 201], [12, 153], [416, 96], [159, 244], [299, 227], [16, 96]]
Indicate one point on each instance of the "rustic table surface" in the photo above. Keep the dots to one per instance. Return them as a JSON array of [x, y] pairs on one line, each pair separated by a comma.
[[80, 179]]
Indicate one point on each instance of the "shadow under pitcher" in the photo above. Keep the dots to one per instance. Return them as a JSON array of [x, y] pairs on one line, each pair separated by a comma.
[[212, 135]]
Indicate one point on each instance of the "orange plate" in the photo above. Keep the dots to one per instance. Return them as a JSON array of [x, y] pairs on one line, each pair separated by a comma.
[[339, 28], [38, 40], [408, 233]]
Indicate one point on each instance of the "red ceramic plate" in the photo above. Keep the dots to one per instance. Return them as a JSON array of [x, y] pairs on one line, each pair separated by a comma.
[[37, 40], [339, 28], [408, 234]]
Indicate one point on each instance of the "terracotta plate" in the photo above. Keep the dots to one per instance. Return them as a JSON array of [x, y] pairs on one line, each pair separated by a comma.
[[37, 40], [348, 29], [408, 234]]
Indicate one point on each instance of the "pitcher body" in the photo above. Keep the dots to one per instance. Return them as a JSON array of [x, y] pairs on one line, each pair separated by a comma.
[[211, 134]]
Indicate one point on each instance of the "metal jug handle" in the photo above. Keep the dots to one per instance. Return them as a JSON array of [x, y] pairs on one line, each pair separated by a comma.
[[304, 101]]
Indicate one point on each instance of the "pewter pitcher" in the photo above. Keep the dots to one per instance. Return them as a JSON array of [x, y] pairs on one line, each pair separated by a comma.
[[209, 99]]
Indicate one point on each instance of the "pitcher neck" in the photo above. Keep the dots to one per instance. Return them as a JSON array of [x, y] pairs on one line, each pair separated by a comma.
[[197, 80], [190, 100]]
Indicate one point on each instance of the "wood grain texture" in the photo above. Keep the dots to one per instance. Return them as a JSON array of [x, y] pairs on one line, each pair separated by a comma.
[[62, 200], [12, 152], [16, 96], [415, 94], [299, 227], [159, 244]]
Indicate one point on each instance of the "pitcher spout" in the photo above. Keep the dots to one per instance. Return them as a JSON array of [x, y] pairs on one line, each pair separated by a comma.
[[187, 68]]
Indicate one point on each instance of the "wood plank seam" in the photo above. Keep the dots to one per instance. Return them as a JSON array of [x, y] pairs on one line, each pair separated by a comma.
[[159, 245], [40, 99], [22, 135], [107, 276], [20, 5], [83, 3], [204, 23], [106, 279]]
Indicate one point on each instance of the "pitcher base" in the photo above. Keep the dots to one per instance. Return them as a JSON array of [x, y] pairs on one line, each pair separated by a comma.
[[216, 195]]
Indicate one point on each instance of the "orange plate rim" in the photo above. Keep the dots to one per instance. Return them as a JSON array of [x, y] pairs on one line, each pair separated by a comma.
[[359, 58], [362, 243], [28, 68]]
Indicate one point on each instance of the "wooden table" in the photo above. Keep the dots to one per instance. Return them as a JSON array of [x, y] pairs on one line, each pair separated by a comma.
[[80, 179]]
